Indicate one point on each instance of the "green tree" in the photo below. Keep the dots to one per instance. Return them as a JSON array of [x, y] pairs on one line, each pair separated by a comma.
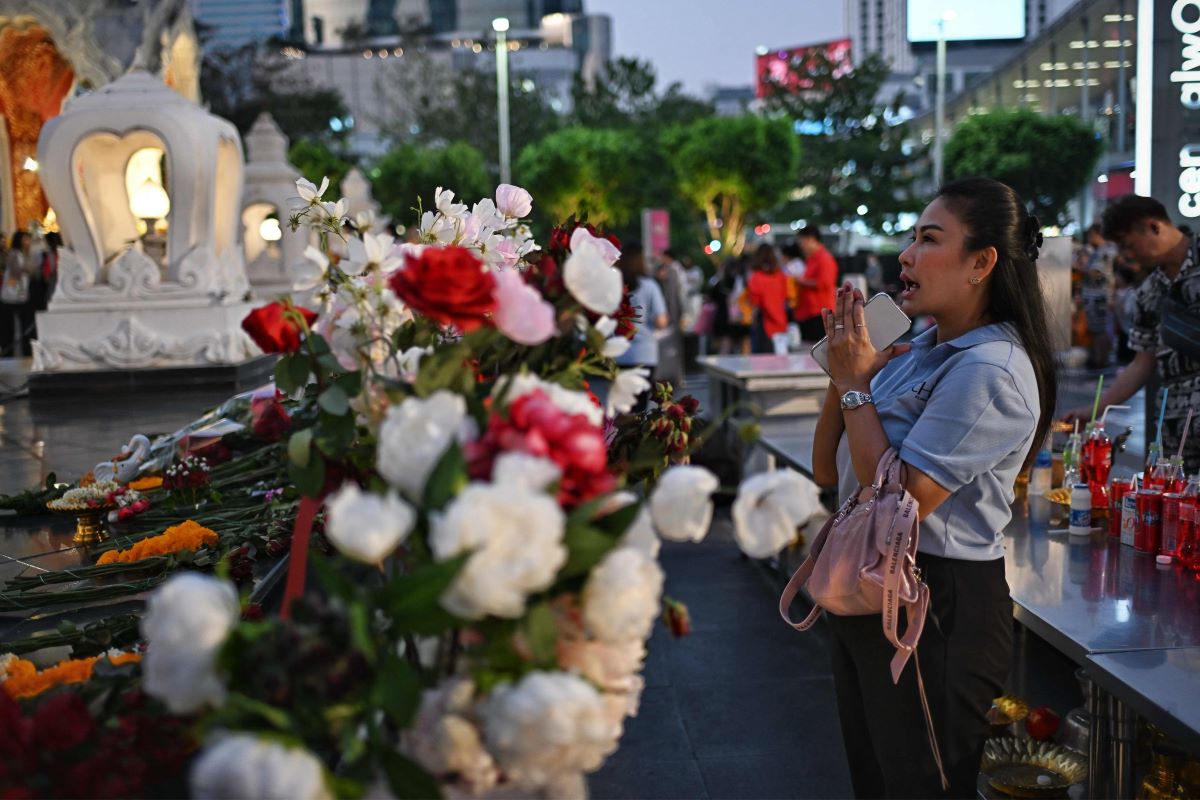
[[409, 174], [1048, 160], [316, 160], [731, 168], [854, 152], [435, 105], [624, 95], [590, 172]]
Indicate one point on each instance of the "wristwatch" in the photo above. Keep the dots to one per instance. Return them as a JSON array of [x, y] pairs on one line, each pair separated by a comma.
[[853, 399]]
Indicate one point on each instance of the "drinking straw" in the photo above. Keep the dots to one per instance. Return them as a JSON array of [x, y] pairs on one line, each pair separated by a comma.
[[1096, 402], [1107, 409], [1183, 439], [1162, 412]]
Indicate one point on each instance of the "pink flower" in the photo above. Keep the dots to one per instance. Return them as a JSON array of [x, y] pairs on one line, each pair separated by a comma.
[[513, 201], [521, 313]]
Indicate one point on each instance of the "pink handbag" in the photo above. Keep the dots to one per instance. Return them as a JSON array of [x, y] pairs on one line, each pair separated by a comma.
[[864, 562]]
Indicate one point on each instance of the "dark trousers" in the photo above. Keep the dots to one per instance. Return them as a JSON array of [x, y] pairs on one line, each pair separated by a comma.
[[965, 653], [812, 329], [21, 316]]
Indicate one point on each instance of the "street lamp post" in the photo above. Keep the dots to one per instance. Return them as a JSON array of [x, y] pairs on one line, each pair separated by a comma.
[[500, 26], [939, 103]]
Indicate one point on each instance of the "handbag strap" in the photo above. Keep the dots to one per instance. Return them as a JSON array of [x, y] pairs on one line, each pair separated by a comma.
[[799, 577], [933, 745]]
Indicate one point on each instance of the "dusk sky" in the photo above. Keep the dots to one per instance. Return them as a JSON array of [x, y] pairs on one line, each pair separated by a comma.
[[699, 42]]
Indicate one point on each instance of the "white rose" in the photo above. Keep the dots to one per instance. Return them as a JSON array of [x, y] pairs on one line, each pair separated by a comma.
[[621, 597], [414, 436], [250, 768], [187, 620], [592, 280], [615, 347], [641, 536], [366, 527], [525, 471], [769, 508], [623, 393], [515, 538], [570, 401], [513, 201], [444, 741], [612, 666], [548, 726], [681, 505]]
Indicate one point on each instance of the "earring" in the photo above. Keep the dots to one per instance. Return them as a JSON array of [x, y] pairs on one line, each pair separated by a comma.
[[976, 279]]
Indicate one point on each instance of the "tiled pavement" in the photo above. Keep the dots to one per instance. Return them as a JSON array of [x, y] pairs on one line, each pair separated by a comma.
[[741, 708]]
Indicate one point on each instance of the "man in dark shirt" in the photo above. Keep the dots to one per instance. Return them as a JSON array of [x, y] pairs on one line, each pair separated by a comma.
[[1140, 227]]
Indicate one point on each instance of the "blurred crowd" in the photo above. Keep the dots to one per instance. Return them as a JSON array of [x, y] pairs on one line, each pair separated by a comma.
[[1103, 289], [28, 276]]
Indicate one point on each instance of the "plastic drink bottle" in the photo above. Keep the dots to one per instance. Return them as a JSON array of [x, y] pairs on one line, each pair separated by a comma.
[[1097, 462], [1189, 523], [1080, 520], [1071, 473], [1039, 479]]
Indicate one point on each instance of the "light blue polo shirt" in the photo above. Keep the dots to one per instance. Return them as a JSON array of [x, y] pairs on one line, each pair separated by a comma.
[[648, 299], [964, 413]]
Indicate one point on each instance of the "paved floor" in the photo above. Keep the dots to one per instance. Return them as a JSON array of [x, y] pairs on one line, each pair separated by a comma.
[[743, 707]]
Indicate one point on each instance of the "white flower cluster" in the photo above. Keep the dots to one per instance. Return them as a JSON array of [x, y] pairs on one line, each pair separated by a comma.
[[77, 499], [492, 228], [445, 738], [251, 768], [414, 436], [360, 319], [187, 620], [312, 207], [769, 508], [366, 527]]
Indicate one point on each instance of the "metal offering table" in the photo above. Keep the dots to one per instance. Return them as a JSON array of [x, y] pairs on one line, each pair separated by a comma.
[[777, 385]]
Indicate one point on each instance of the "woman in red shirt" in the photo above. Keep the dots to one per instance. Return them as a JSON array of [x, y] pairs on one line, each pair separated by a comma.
[[818, 286], [768, 295]]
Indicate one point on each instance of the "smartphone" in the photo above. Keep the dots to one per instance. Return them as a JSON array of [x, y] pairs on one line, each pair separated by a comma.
[[885, 324]]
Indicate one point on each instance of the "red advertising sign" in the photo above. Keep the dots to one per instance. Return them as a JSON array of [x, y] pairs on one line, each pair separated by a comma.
[[656, 231], [787, 69]]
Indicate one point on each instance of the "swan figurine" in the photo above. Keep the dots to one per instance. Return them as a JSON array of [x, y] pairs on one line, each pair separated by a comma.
[[126, 466]]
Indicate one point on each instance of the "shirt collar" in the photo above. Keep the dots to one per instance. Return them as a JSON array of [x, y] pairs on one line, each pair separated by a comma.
[[995, 332]]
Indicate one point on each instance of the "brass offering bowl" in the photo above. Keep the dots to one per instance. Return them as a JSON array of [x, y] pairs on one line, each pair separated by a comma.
[[1028, 768], [90, 527]]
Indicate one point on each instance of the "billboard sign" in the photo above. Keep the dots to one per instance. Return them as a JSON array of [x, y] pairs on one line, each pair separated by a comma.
[[966, 20], [787, 69]]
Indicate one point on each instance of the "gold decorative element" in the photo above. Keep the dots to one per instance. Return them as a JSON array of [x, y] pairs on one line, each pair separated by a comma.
[[1027, 768], [89, 527], [34, 80]]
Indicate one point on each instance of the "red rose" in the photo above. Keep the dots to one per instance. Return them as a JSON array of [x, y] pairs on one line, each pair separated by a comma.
[[447, 284], [690, 404], [676, 617], [269, 419], [18, 753], [274, 329], [536, 426], [62, 722], [627, 316]]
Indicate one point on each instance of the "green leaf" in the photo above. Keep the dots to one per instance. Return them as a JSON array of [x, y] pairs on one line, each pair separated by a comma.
[[276, 717], [335, 434], [406, 779], [360, 631], [334, 400], [586, 545], [334, 580], [350, 383], [447, 479], [541, 634], [618, 521], [308, 479], [413, 600], [291, 372], [397, 690]]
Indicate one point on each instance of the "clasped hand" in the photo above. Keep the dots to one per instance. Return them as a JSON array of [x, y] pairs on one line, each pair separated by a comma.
[[853, 360]]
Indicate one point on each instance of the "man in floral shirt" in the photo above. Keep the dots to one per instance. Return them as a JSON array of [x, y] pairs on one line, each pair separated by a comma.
[[1144, 233]]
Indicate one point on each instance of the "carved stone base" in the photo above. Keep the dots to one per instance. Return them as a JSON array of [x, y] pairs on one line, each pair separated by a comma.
[[227, 378], [85, 340]]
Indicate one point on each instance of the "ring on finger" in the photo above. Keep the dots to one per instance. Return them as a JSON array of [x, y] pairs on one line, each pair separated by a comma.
[[860, 325], [839, 327]]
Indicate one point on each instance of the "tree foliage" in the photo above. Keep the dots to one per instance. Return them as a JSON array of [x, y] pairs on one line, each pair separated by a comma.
[[732, 167], [853, 153], [240, 83], [1048, 160], [600, 174], [625, 95], [316, 160], [409, 174], [435, 105]]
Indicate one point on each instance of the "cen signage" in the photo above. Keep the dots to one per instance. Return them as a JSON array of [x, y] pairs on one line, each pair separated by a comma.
[[1168, 104]]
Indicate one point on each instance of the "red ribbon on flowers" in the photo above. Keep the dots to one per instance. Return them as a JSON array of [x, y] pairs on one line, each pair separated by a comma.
[[298, 555]]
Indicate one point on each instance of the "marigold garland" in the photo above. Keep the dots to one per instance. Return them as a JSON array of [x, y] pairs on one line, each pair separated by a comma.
[[25, 680], [189, 535], [146, 484]]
